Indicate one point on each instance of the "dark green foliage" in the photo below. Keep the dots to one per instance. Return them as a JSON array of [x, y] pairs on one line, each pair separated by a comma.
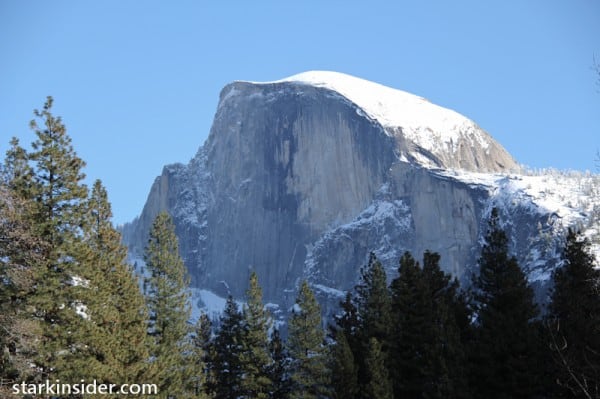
[[374, 303], [48, 182], [427, 351], [309, 373], [409, 303], [348, 321], [278, 369], [574, 321], [344, 369], [373, 311], [200, 360], [76, 310], [57, 180], [448, 327], [168, 308], [117, 336], [17, 173], [255, 358], [227, 367], [506, 349], [379, 385], [59, 196], [19, 260]]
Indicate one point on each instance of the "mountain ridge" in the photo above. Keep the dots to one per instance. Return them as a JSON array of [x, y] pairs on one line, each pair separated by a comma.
[[297, 181], [429, 126]]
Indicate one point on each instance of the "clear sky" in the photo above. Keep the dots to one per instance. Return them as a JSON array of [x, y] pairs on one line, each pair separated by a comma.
[[137, 82]]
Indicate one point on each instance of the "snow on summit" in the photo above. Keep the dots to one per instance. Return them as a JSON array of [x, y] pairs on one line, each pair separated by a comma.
[[391, 107], [427, 125]]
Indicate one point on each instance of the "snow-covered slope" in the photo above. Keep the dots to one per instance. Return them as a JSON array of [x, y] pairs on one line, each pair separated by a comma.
[[438, 135], [563, 199], [396, 108]]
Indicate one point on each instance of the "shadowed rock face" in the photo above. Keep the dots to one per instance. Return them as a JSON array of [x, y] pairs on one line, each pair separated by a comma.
[[284, 168], [296, 181]]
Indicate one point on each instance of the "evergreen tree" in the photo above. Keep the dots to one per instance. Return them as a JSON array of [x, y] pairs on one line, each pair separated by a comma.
[[309, 373], [201, 341], [446, 366], [411, 318], [505, 351], [348, 350], [17, 173], [57, 182], [227, 350], [574, 321], [76, 311], [349, 321], [379, 385], [49, 180], [168, 308], [19, 258], [344, 369], [373, 308], [255, 358], [374, 303], [278, 369], [116, 333], [427, 351]]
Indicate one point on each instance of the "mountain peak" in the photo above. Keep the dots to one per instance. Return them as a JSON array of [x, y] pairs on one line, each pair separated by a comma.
[[303, 177], [427, 134]]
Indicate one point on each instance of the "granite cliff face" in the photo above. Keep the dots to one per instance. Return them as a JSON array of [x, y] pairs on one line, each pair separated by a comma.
[[301, 178]]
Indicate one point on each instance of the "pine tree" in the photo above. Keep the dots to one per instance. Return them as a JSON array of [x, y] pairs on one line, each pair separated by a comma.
[[348, 321], [57, 186], [201, 342], [309, 373], [19, 258], [75, 304], [59, 193], [168, 308], [344, 369], [427, 350], [379, 385], [49, 180], [505, 351], [447, 375], [574, 321], [411, 318], [255, 358], [278, 369], [116, 333], [17, 173], [227, 350], [374, 303], [373, 308]]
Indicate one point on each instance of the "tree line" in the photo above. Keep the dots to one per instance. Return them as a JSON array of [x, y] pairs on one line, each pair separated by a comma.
[[421, 336], [71, 309]]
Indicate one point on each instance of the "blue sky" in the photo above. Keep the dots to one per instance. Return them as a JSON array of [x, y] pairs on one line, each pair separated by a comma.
[[137, 82]]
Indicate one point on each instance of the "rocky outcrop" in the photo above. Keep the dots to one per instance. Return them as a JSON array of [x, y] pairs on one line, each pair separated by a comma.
[[302, 179]]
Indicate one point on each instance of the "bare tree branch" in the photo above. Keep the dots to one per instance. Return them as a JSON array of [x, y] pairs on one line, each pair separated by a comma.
[[559, 350]]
